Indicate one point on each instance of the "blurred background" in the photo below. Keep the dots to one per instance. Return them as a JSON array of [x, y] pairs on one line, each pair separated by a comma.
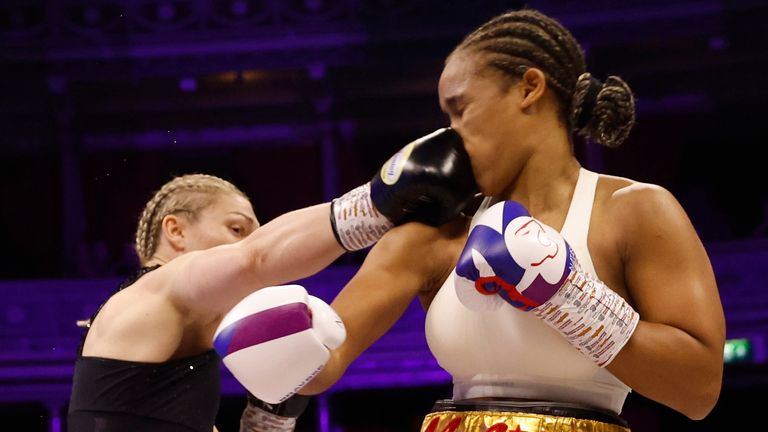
[[297, 101]]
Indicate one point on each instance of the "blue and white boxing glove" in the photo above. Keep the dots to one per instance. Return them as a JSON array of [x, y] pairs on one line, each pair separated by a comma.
[[511, 258], [275, 340]]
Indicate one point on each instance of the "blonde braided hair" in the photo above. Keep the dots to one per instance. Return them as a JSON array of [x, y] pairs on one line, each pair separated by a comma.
[[186, 194]]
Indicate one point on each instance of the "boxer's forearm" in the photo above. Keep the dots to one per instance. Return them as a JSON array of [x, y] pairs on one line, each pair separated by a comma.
[[395, 271], [369, 306], [670, 366], [293, 246]]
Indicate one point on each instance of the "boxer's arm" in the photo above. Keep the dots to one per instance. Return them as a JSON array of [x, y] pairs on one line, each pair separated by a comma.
[[431, 181], [409, 260], [675, 355], [290, 247]]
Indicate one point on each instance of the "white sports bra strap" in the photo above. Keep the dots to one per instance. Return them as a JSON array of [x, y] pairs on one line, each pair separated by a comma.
[[576, 227]]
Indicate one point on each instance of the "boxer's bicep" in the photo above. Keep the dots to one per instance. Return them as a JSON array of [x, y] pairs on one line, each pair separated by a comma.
[[668, 273], [213, 280]]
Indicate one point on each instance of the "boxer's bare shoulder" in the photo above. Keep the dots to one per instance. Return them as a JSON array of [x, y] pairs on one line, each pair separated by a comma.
[[637, 205]]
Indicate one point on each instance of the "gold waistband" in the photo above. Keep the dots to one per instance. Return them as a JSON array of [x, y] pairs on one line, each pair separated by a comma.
[[492, 421]]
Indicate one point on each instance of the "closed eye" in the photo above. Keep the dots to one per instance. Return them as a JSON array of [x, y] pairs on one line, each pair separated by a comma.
[[238, 230], [454, 106], [456, 111]]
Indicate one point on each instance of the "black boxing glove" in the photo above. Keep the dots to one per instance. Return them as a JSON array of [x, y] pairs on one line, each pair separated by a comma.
[[429, 180]]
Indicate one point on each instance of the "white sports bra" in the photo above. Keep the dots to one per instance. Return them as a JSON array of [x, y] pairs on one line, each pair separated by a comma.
[[509, 353]]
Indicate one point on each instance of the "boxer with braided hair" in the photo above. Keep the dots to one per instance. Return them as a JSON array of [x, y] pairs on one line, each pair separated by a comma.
[[187, 194], [568, 288], [149, 359]]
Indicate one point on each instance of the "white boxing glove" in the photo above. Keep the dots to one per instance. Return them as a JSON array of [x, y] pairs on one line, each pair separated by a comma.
[[275, 340]]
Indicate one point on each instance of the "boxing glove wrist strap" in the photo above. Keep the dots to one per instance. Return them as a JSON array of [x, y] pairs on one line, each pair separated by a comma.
[[260, 416], [356, 222], [591, 316]]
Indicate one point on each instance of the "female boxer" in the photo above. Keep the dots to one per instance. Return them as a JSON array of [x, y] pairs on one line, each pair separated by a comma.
[[147, 361], [517, 89]]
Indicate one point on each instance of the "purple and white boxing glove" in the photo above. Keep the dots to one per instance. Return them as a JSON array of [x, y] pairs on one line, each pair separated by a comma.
[[511, 258], [275, 340]]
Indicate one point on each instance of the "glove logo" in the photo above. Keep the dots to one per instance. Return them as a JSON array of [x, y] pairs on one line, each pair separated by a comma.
[[533, 249], [514, 256], [392, 169]]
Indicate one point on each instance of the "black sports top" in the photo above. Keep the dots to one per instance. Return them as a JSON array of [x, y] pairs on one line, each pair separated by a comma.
[[110, 395]]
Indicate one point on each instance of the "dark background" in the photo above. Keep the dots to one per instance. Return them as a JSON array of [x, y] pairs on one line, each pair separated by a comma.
[[297, 101]]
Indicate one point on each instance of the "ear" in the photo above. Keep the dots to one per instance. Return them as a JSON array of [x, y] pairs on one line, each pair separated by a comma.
[[533, 85], [172, 228]]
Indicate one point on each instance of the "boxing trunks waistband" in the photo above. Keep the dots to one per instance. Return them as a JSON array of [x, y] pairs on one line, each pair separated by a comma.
[[507, 416]]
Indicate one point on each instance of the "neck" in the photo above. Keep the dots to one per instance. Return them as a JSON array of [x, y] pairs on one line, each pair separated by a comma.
[[546, 181], [155, 260], [163, 254]]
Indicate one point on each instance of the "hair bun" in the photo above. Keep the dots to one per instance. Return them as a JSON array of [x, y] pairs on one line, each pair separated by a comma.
[[604, 112], [584, 99]]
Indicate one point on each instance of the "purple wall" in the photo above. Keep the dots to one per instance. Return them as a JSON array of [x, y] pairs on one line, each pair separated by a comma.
[[299, 100]]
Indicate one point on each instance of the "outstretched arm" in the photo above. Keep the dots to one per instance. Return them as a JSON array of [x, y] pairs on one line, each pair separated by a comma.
[[429, 180], [292, 246]]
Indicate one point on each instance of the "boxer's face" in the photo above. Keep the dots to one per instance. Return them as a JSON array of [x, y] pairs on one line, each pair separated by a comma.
[[485, 110], [229, 219]]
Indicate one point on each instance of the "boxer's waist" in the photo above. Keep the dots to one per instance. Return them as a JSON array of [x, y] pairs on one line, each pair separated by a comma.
[[602, 392], [519, 416]]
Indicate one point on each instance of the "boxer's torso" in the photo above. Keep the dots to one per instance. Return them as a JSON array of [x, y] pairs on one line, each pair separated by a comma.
[[118, 393], [511, 354]]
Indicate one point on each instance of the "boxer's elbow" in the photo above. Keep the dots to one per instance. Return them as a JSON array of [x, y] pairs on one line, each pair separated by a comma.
[[701, 398], [319, 384], [327, 377]]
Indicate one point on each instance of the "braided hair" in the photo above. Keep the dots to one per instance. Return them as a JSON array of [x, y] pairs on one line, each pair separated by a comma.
[[188, 194], [518, 40]]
